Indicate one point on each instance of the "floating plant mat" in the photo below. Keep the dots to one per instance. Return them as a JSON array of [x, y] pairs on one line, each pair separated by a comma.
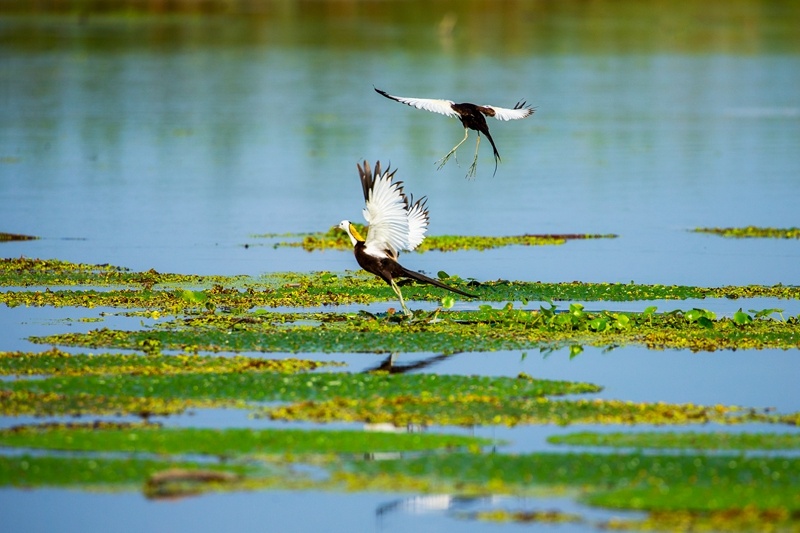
[[181, 293], [5, 237], [753, 232], [167, 393], [336, 239], [22, 271], [659, 483], [478, 409], [144, 438], [443, 331], [57, 362], [731, 493], [683, 440], [370, 398], [92, 472], [739, 492]]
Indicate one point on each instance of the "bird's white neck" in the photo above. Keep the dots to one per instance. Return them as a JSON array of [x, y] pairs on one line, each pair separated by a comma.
[[352, 232]]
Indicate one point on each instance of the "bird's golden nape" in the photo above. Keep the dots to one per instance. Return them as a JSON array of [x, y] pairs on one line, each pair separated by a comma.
[[472, 117], [354, 234], [396, 223]]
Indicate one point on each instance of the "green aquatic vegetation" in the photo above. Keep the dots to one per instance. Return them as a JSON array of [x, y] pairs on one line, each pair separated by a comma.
[[267, 386], [753, 232], [336, 239], [486, 329], [4, 237], [683, 440], [151, 438], [524, 517], [484, 409], [174, 301], [155, 291], [629, 481], [23, 272], [744, 519], [156, 478], [57, 362], [77, 403], [36, 471], [370, 398]]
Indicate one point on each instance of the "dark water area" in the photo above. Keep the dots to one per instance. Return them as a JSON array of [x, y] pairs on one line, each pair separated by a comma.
[[171, 136]]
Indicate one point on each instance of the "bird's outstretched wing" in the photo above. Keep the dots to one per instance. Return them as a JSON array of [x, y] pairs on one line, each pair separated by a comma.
[[443, 107], [386, 212], [521, 110], [417, 222]]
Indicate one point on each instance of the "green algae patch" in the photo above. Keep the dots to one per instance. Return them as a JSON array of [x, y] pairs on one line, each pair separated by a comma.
[[79, 403], [57, 362], [524, 517], [753, 232], [38, 471], [177, 293], [155, 478], [151, 438], [22, 272], [683, 440], [400, 400], [632, 481], [486, 329], [744, 519], [6, 237], [483, 409], [267, 386], [336, 239]]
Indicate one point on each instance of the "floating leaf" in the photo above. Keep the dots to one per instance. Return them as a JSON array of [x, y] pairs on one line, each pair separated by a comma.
[[741, 318]]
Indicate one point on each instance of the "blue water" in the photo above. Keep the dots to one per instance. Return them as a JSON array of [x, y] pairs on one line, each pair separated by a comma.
[[170, 142]]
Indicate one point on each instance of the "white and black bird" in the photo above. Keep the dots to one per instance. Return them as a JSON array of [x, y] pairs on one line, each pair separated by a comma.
[[471, 117], [396, 223]]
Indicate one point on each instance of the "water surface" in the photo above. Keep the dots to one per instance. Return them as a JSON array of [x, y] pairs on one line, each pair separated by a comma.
[[168, 141]]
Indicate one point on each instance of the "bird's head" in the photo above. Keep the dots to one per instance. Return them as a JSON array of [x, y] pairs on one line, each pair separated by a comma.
[[351, 231]]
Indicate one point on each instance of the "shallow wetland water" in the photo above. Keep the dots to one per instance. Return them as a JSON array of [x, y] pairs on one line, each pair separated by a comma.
[[169, 356]]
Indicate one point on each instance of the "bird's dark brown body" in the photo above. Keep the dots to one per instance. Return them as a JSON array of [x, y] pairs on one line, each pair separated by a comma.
[[389, 269], [472, 117]]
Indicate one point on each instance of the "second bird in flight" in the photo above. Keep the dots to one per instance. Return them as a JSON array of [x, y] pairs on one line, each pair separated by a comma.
[[471, 117]]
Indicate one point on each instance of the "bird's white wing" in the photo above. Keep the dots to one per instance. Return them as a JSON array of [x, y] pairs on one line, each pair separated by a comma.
[[386, 214], [443, 107], [521, 110], [417, 223]]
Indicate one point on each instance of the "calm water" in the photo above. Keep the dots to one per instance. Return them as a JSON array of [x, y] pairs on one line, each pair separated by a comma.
[[169, 141]]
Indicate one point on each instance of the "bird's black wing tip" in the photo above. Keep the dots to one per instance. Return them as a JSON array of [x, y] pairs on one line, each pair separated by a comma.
[[385, 94], [368, 176], [365, 174]]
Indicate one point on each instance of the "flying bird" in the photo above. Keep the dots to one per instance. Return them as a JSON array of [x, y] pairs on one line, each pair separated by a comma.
[[396, 223], [471, 117]]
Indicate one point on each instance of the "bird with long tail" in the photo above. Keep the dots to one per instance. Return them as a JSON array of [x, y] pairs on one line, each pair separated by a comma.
[[396, 223], [471, 117]]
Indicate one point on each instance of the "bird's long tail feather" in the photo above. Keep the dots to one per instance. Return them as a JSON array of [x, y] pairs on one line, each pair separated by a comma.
[[425, 279], [496, 153]]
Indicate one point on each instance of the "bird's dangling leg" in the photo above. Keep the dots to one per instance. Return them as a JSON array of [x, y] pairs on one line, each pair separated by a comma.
[[396, 290], [474, 166], [444, 160]]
